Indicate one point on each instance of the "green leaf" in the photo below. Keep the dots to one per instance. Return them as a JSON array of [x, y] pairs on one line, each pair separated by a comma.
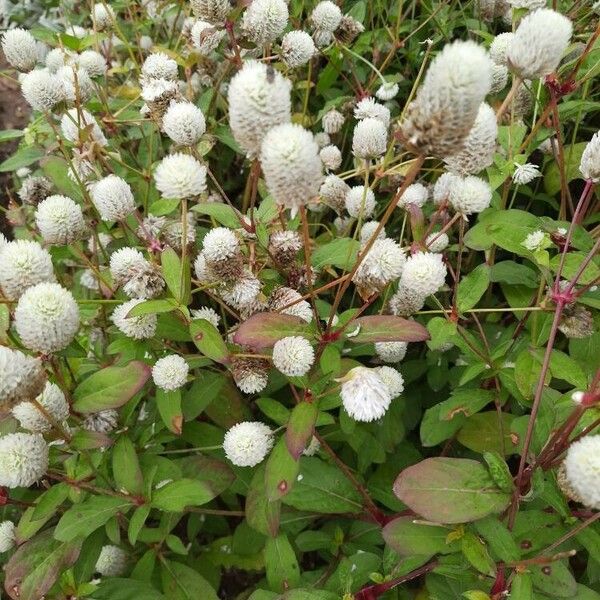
[[450, 490], [117, 588], [386, 328], [281, 564], [508, 271], [499, 538], [11, 134], [126, 468], [22, 158], [341, 252], [572, 264], [177, 275], [209, 341], [522, 587], [484, 432], [84, 518], [262, 330], [153, 307], [572, 162], [138, 518], [49, 501], [554, 579], [33, 569], [89, 440], [176, 495], [476, 553], [281, 471], [472, 287], [300, 428], [181, 582], [169, 407], [223, 213], [499, 471], [164, 206], [408, 537], [110, 387]]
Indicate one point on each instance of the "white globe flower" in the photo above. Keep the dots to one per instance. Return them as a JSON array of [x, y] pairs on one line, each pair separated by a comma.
[[103, 16], [23, 459], [293, 356], [184, 123], [534, 241], [23, 263], [93, 62], [8, 538], [499, 79], [47, 318], [391, 352], [265, 20], [206, 37], [368, 108], [424, 273], [206, 313], [248, 443], [525, 174], [281, 298], [170, 372], [34, 189], [77, 85], [138, 328], [60, 220], [589, 167], [387, 91], [499, 47], [220, 244], [469, 195], [437, 242], [251, 375], [243, 292], [369, 139], [392, 379], [284, 246], [58, 58], [360, 202], [364, 394], [326, 16], [52, 400], [42, 90], [159, 66], [80, 125], [297, 48], [259, 99], [322, 139], [528, 4], [533, 53], [383, 264], [406, 301], [582, 469], [124, 262], [22, 377], [20, 49], [213, 11], [180, 176], [367, 231], [331, 157], [333, 191], [441, 189], [113, 198], [89, 280], [332, 121], [291, 164], [104, 421], [112, 561], [415, 194]]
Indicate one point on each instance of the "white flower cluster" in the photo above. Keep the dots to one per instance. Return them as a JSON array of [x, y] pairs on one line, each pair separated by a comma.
[[247, 444]]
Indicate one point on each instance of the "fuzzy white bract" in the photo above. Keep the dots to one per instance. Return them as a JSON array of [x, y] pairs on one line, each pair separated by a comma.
[[60, 220], [101, 422], [7, 536], [499, 47], [539, 43], [184, 123], [293, 356], [77, 85], [259, 99], [424, 273], [213, 11], [47, 318], [23, 459], [297, 48], [180, 176], [441, 189], [93, 62], [112, 561], [415, 194], [160, 66], [103, 16], [138, 328], [364, 394], [445, 108], [219, 244], [582, 469], [525, 174], [332, 121], [170, 372], [469, 195], [368, 229], [23, 263], [208, 314], [205, 37], [386, 91], [80, 125], [113, 198], [291, 164], [534, 240], [369, 139], [22, 377], [360, 201], [391, 352], [42, 90], [383, 264], [248, 443], [437, 242], [393, 380], [265, 20], [368, 108], [326, 16], [331, 157], [589, 167], [123, 262], [20, 49], [52, 400]]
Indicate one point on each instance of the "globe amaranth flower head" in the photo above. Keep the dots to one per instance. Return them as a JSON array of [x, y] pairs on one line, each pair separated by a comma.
[[259, 99], [479, 146], [93, 62], [42, 90], [213, 11], [326, 16], [533, 53], [248, 443], [293, 356], [332, 121], [297, 48], [112, 561], [424, 272], [170, 372], [47, 318], [22, 377], [124, 262], [138, 328], [406, 301], [360, 201], [23, 263], [60, 220], [437, 242], [383, 264], [8, 537], [415, 194], [525, 173], [291, 164], [440, 117], [34, 189], [220, 243], [77, 85], [441, 189], [20, 49], [364, 394], [331, 157], [392, 378], [582, 469], [333, 192], [589, 167], [52, 400], [391, 352], [112, 198], [103, 421], [387, 91], [528, 4], [469, 195], [208, 314], [499, 78], [536, 240], [206, 37], [499, 47], [251, 375], [368, 108], [265, 20], [103, 16], [180, 176], [184, 123], [281, 298], [23, 459], [78, 125], [284, 246], [369, 139], [367, 231]]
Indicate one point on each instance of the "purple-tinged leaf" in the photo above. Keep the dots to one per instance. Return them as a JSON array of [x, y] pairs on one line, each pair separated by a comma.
[[408, 537], [300, 428], [89, 440], [264, 329], [386, 328], [280, 472]]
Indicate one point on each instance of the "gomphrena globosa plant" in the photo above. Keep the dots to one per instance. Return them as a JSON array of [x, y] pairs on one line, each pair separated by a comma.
[[299, 300]]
